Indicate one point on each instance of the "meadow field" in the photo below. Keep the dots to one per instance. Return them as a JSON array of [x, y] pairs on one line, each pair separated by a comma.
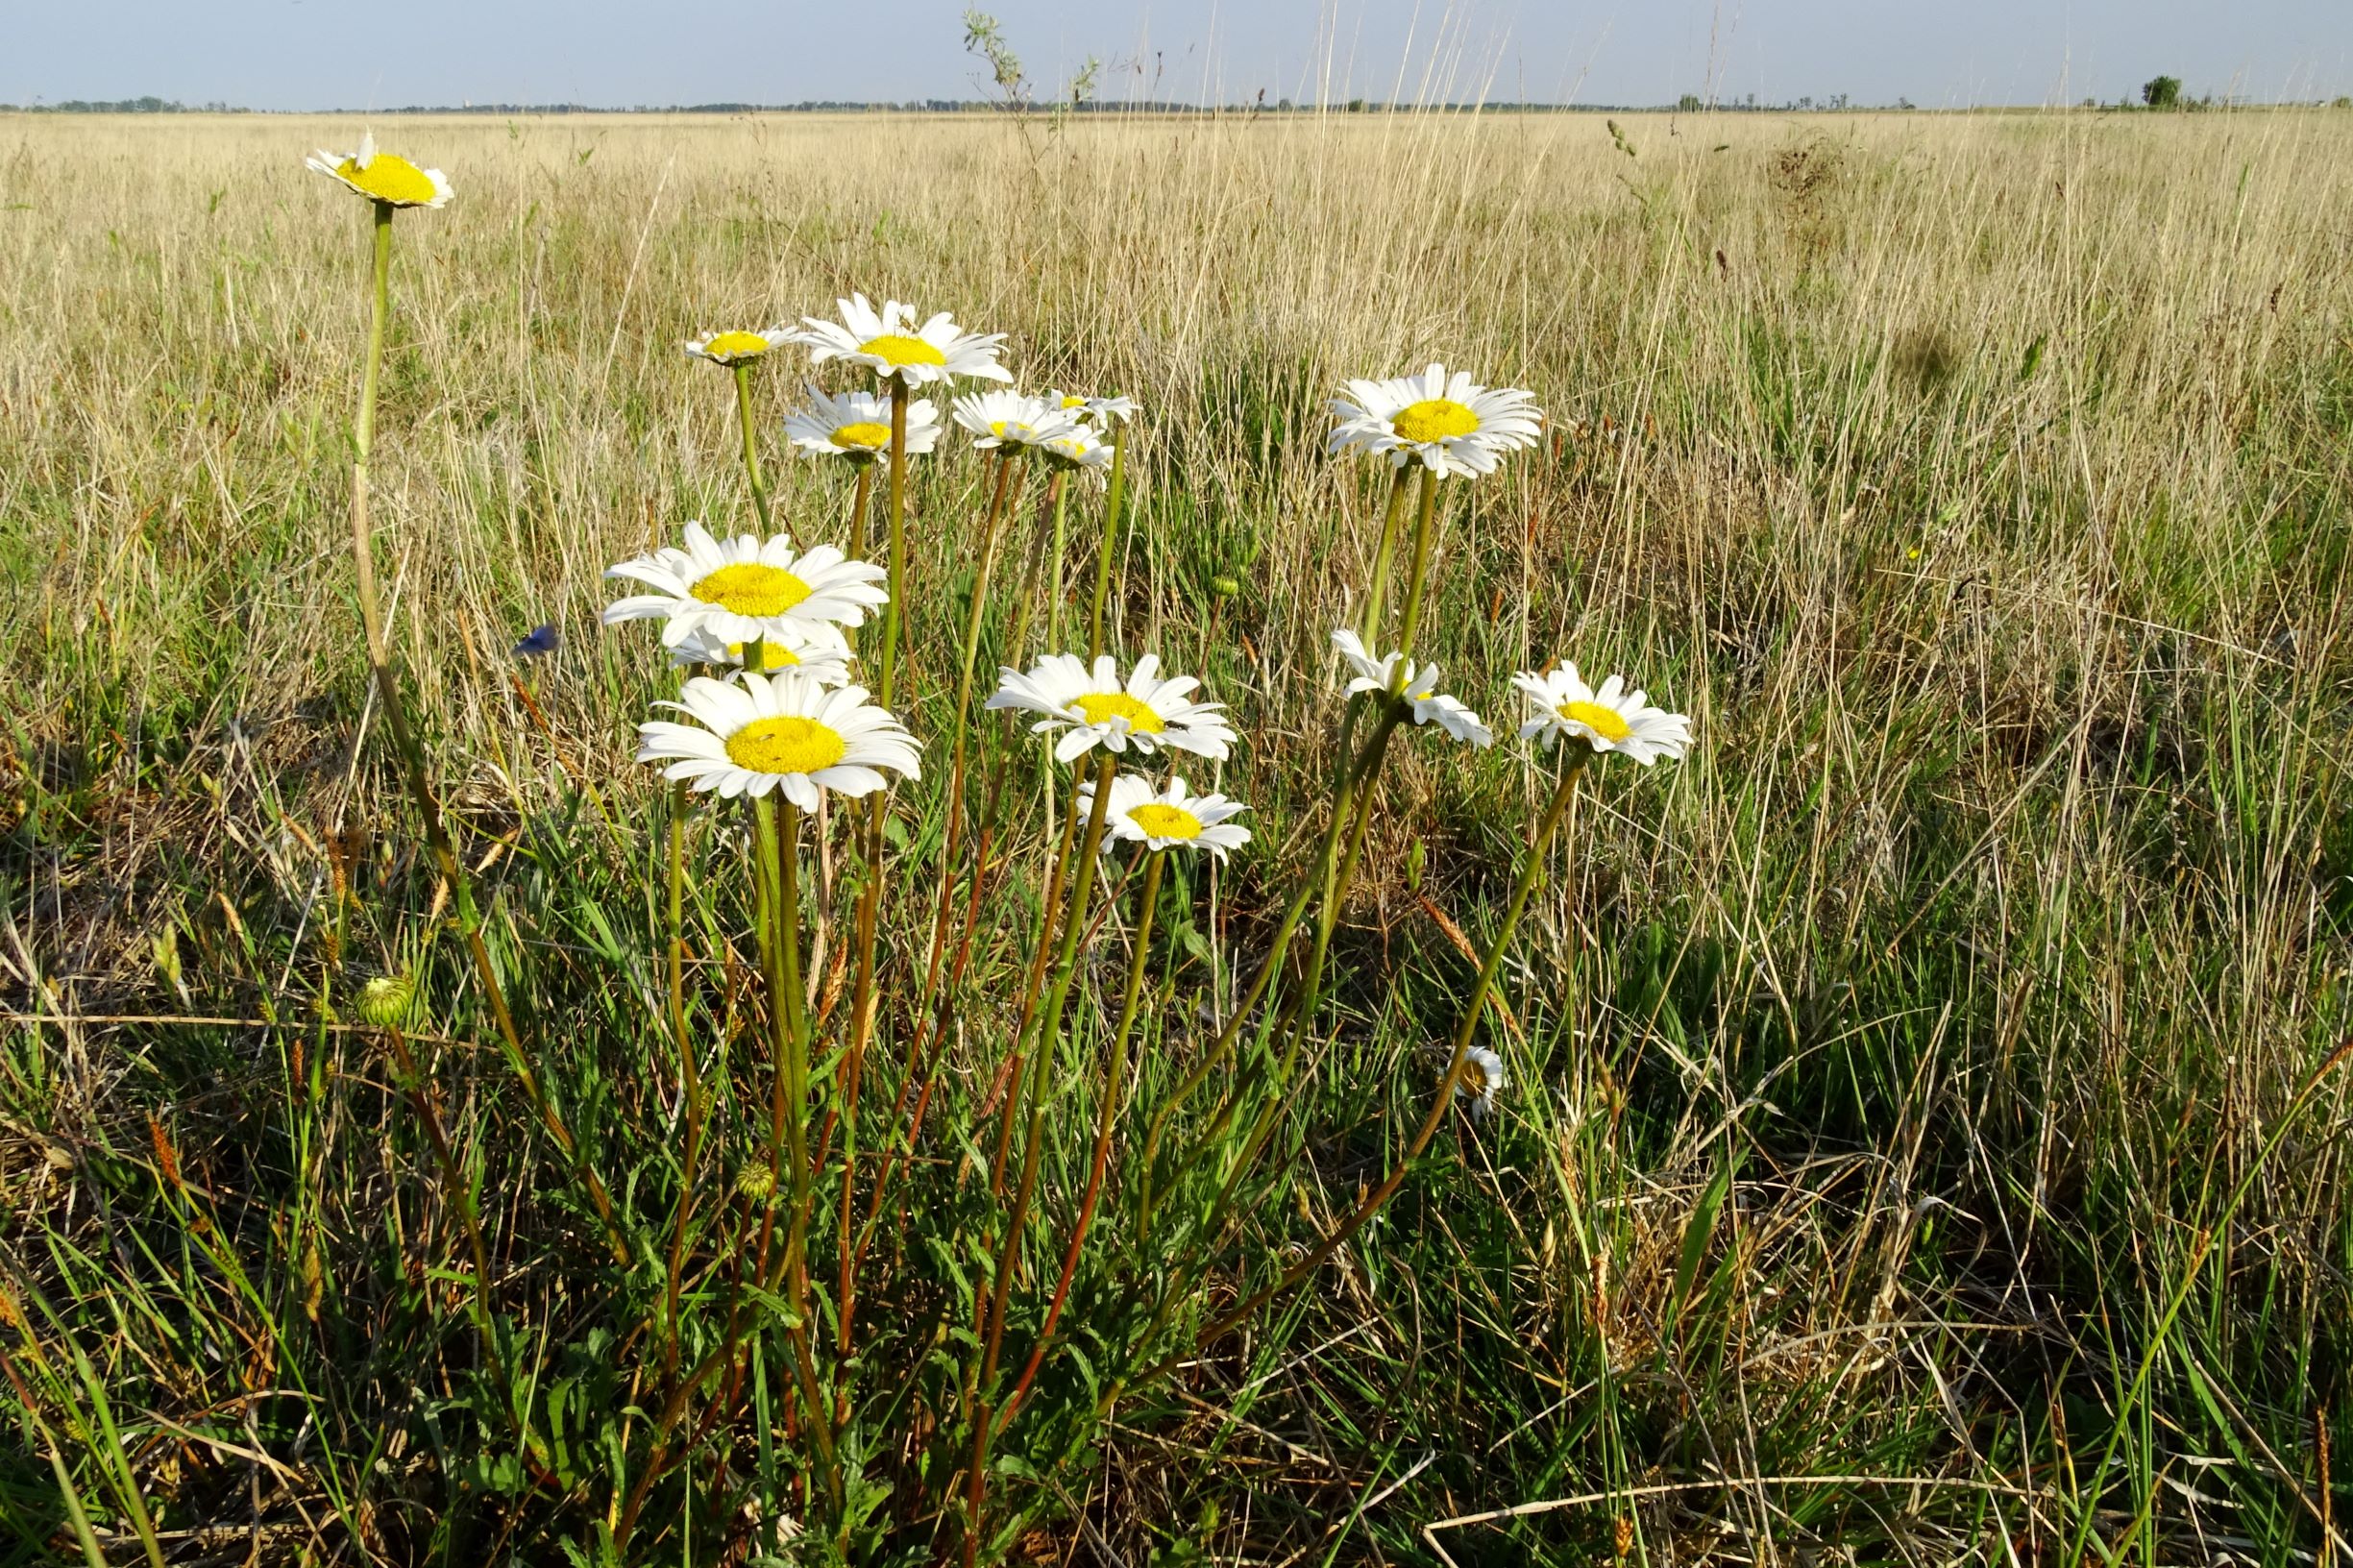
[[1921, 1141]]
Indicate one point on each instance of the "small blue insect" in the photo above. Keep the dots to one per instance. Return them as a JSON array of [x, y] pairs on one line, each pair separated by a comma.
[[539, 643]]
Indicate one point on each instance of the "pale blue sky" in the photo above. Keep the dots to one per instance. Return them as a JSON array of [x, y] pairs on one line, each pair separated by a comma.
[[333, 54]]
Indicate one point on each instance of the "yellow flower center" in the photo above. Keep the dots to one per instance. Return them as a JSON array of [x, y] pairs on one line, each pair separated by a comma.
[[774, 655], [751, 588], [389, 178], [862, 435], [1166, 821], [898, 349], [736, 346], [1434, 419], [1073, 402], [786, 746], [1102, 707], [1606, 723]]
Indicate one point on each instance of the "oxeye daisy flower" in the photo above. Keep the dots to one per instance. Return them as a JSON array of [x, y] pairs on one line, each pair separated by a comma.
[[1431, 706], [1146, 711], [1451, 424], [745, 589], [817, 652], [890, 343], [383, 177], [786, 733], [1480, 1079], [1612, 718], [1371, 674], [857, 426], [1420, 691], [1011, 420], [737, 348], [1081, 449], [1100, 412], [1169, 819]]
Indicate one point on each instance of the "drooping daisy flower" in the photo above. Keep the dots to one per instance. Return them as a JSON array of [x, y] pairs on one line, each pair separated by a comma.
[[817, 651], [1480, 1079], [383, 177], [1011, 420], [1612, 718], [1431, 706], [1146, 712], [737, 348], [1420, 690], [1452, 424], [857, 426], [745, 589], [1100, 412], [757, 733], [1081, 449], [1170, 818], [1372, 674], [892, 344]]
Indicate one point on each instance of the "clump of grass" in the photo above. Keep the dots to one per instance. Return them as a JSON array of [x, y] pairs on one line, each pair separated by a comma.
[[1911, 1063]]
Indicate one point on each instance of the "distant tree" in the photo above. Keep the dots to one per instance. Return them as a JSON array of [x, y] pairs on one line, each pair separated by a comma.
[[2342, 103], [2162, 92], [1688, 103]]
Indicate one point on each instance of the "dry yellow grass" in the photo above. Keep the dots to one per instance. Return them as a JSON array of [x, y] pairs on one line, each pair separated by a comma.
[[1979, 483]]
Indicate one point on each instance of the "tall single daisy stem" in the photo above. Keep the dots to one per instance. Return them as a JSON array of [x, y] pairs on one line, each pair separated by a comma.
[[776, 842], [1106, 1115], [1054, 572], [1041, 1070], [1531, 865], [1425, 533], [1391, 516], [1112, 509], [894, 614], [869, 898], [412, 756], [751, 455], [690, 1076], [859, 507]]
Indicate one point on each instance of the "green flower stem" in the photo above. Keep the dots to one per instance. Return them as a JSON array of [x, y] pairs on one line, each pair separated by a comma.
[[1111, 541], [776, 842], [1391, 516], [1049, 1028], [859, 509], [751, 455], [1055, 570], [1531, 863], [870, 899], [973, 618], [690, 1075], [894, 612], [1425, 539], [412, 756], [1355, 774], [1033, 988], [1106, 1115]]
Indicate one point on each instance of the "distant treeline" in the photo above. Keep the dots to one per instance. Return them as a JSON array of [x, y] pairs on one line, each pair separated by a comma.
[[1689, 105]]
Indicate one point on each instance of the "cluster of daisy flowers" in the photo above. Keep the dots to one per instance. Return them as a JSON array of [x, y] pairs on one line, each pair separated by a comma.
[[1137, 717], [1068, 431], [789, 719]]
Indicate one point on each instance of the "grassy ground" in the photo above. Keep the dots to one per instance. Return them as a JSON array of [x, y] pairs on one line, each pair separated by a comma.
[[1884, 1078]]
